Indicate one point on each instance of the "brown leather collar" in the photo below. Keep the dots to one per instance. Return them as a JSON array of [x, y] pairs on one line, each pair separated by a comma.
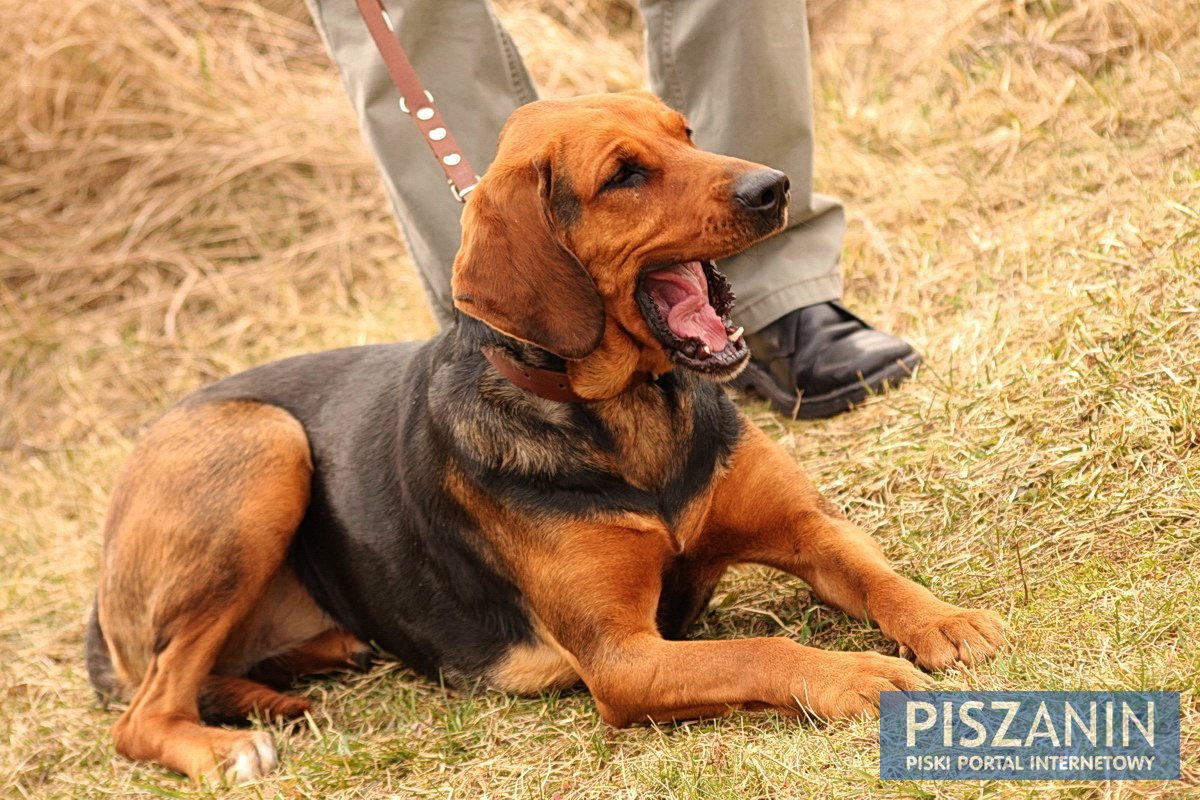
[[547, 383]]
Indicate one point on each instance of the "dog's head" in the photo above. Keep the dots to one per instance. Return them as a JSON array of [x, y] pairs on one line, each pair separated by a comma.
[[593, 236]]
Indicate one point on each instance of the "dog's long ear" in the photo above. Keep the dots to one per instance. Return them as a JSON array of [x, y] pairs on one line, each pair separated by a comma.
[[513, 271]]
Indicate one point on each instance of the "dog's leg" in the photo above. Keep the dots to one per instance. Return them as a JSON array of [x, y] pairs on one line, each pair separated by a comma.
[[225, 699], [334, 650], [200, 521], [596, 586], [765, 510]]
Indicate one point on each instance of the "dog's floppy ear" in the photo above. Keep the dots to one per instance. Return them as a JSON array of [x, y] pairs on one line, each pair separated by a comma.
[[513, 271]]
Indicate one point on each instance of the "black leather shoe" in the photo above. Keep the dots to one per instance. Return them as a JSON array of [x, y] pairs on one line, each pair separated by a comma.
[[817, 361]]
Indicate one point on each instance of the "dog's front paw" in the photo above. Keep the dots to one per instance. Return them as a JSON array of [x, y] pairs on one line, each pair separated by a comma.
[[849, 685], [958, 635], [242, 757]]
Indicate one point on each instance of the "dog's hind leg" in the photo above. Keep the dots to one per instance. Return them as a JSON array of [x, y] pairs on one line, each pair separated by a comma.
[[228, 700], [335, 650], [200, 523]]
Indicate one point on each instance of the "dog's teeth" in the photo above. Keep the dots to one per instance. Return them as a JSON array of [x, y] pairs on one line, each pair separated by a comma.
[[733, 337], [706, 350]]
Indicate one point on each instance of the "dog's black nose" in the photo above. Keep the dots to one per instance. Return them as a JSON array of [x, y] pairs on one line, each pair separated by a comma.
[[762, 190]]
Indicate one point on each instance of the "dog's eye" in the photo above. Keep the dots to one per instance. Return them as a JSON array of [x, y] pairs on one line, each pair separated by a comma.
[[689, 132], [629, 175]]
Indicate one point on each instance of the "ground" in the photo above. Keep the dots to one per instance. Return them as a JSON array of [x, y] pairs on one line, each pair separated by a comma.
[[183, 194]]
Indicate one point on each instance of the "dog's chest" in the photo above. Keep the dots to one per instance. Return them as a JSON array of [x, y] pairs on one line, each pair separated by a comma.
[[650, 438], [653, 451]]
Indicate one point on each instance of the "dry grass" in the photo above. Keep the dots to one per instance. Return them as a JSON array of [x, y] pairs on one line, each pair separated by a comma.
[[183, 193]]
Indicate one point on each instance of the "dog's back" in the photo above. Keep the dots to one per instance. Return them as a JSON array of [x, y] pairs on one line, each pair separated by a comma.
[[380, 548]]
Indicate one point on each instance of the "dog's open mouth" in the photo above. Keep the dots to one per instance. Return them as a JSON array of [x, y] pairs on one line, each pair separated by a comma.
[[687, 307]]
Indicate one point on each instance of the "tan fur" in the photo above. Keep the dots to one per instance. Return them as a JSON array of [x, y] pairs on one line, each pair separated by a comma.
[[647, 436], [536, 667], [284, 618]]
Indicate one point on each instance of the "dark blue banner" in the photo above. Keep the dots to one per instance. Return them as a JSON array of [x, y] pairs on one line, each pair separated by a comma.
[[1029, 736]]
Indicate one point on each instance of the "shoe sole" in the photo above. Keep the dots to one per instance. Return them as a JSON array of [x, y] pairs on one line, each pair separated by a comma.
[[759, 381]]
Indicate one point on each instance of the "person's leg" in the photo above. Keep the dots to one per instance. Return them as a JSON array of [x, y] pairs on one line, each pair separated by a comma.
[[472, 69], [740, 72]]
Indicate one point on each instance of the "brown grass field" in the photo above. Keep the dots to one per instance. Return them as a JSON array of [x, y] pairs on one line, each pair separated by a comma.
[[184, 193]]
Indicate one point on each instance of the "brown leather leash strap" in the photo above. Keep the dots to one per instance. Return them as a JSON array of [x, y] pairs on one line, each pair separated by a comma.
[[417, 101]]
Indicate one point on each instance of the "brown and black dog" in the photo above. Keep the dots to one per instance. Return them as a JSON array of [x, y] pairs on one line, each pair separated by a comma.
[[566, 522]]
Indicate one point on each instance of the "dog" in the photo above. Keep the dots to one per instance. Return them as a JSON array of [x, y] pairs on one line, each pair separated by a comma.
[[544, 494]]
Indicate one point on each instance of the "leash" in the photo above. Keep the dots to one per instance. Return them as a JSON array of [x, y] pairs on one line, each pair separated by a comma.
[[417, 102]]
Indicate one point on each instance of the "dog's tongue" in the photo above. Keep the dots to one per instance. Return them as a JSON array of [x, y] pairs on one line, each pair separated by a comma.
[[682, 292]]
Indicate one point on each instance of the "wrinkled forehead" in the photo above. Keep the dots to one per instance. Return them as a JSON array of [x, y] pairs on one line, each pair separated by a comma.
[[591, 121]]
